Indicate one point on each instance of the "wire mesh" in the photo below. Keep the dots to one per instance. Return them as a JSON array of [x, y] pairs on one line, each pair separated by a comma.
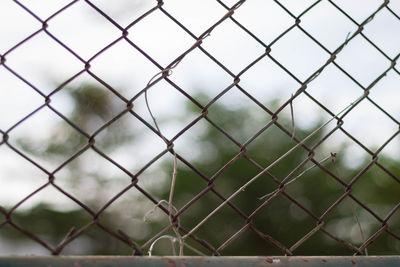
[[185, 233]]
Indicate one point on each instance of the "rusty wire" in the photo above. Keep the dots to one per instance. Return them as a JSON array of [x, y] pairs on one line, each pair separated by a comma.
[[183, 234]]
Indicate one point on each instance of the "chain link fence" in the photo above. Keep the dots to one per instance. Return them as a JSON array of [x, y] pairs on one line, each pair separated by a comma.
[[252, 180]]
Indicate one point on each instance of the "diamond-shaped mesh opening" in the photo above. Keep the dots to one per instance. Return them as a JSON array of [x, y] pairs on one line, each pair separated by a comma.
[[268, 222], [354, 153], [28, 245], [273, 148], [222, 232], [196, 185], [373, 30], [307, 114], [94, 31], [159, 44], [27, 177], [49, 226], [392, 148], [200, 133], [45, 8], [349, 222], [155, 177], [233, 177], [12, 100], [362, 12], [42, 61], [208, 203], [196, 16], [200, 76], [257, 16], [298, 7], [237, 115], [384, 94], [90, 105], [93, 184], [326, 192], [337, 25], [249, 236], [123, 68], [141, 217], [301, 65], [366, 63], [275, 85], [388, 248], [167, 109], [101, 241], [42, 125], [23, 25], [124, 12], [365, 111], [323, 241], [232, 46], [368, 185], [393, 219], [334, 96]]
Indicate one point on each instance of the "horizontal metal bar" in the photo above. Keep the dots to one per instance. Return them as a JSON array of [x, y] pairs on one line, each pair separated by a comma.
[[292, 261]]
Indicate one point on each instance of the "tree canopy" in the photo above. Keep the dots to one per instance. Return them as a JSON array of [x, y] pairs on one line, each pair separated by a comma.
[[219, 168]]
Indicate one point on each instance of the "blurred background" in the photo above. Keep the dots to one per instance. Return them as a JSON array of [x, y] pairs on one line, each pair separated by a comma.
[[52, 102]]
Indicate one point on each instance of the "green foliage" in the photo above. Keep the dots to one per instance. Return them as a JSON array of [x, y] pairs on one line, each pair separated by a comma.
[[279, 217], [282, 219]]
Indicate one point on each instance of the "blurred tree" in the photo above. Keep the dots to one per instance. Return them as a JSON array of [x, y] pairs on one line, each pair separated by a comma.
[[281, 218], [92, 107]]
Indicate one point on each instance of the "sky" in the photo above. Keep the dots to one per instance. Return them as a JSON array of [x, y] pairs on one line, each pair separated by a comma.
[[46, 64]]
